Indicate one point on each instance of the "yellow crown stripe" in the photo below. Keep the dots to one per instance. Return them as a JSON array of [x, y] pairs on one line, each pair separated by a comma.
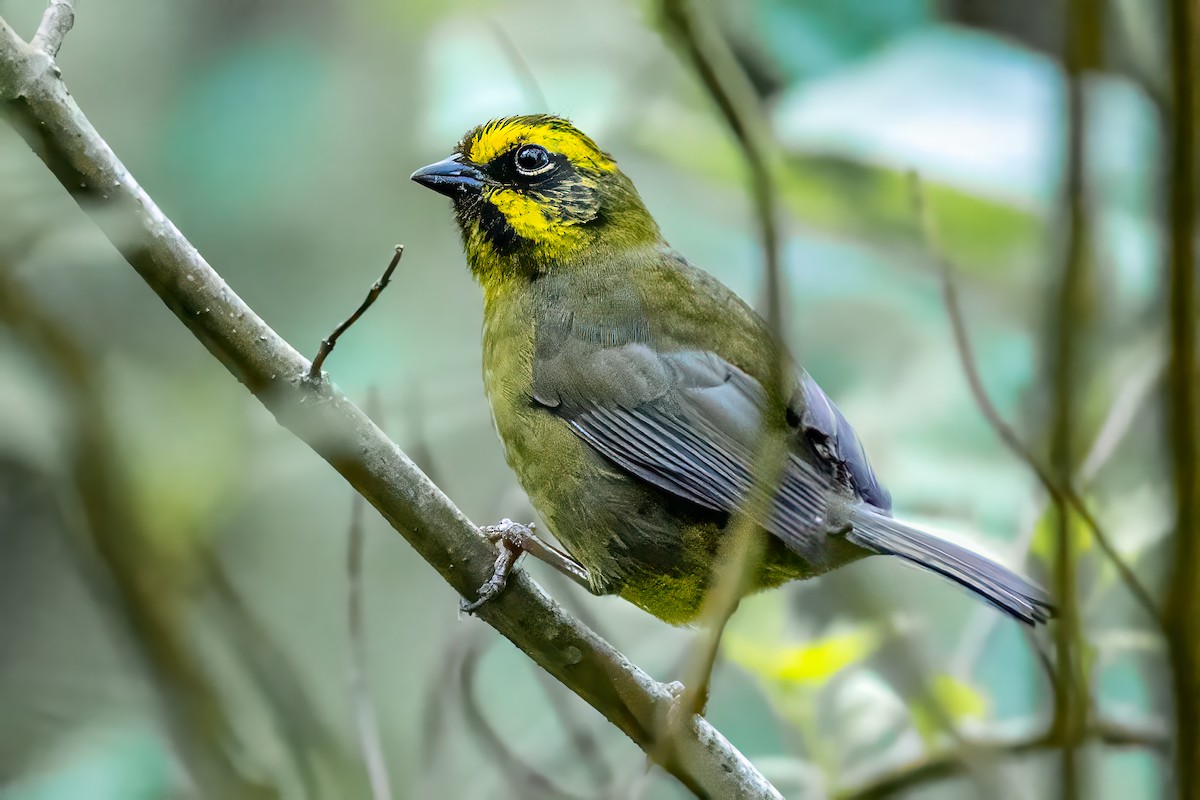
[[501, 136]]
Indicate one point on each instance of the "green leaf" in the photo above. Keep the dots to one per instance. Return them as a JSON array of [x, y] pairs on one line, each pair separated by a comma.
[[1045, 536]]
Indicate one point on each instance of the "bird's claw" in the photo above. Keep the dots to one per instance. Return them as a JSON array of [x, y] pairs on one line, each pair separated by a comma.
[[510, 537], [492, 587]]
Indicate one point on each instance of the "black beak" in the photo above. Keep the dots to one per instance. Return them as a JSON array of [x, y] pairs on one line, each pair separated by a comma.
[[450, 176]]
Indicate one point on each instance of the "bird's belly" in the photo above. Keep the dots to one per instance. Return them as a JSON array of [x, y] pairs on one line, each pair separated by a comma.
[[654, 550]]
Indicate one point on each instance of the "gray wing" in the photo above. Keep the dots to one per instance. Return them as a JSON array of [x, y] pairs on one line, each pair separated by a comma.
[[688, 422]]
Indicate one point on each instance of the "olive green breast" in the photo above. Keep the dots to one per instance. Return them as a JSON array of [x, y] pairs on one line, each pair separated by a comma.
[[652, 547]]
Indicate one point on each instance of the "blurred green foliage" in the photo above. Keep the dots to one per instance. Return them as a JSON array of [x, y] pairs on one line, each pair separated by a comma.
[[279, 137]]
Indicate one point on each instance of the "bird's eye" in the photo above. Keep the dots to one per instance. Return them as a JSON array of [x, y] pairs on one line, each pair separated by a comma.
[[532, 159]]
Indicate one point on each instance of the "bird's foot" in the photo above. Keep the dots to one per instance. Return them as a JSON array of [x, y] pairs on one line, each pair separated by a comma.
[[511, 538], [506, 530], [674, 688]]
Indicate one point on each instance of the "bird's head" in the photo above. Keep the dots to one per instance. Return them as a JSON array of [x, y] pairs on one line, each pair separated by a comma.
[[533, 194]]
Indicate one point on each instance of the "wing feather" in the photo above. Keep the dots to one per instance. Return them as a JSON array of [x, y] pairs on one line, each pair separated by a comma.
[[695, 438]]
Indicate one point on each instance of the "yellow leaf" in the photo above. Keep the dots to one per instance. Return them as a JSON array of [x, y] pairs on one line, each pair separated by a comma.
[[810, 663], [954, 699]]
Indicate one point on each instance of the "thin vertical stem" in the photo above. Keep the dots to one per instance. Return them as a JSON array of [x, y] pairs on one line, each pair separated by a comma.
[[1182, 613], [366, 723], [731, 91], [1069, 323]]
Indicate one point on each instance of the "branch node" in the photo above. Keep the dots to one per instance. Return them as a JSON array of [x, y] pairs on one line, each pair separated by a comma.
[[56, 23]]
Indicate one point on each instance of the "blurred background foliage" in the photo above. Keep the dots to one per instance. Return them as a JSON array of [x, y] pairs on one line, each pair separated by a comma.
[[279, 136]]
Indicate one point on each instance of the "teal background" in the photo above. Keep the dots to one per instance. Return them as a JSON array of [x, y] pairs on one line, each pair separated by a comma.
[[279, 137]]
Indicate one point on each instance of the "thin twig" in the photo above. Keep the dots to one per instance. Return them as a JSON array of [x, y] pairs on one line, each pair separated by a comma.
[[582, 739], [1182, 401], [365, 721], [152, 612], [273, 673], [520, 773], [327, 345], [47, 116], [1068, 325], [57, 22], [742, 548], [940, 766], [1122, 412], [966, 355], [530, 86], [1136, 388]]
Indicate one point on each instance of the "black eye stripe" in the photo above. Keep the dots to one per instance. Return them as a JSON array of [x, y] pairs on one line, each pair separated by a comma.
[[505, 169]]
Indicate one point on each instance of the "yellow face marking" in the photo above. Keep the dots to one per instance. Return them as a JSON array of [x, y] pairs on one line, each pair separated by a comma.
[[526, 215], [501, 136]]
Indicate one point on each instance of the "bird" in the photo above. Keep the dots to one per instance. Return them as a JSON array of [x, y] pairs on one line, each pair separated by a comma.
[[632, 392]]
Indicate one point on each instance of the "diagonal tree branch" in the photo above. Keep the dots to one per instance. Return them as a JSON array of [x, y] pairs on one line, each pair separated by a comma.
[[115, 543], [1061, 494], [947, 765], [38, 104]]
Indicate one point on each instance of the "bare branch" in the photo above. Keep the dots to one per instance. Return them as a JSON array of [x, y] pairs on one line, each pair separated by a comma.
[[1135, 389], [327, 344], [525, 777], [1131, 397], [946, 765], [57, 22], [1182, 402], [42, 110], [151, 612], [365, 721], [1066, 338], [723, 78], [966, 355]]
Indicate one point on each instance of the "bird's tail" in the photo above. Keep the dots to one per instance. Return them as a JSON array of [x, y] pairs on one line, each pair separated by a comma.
[[997, 585]]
